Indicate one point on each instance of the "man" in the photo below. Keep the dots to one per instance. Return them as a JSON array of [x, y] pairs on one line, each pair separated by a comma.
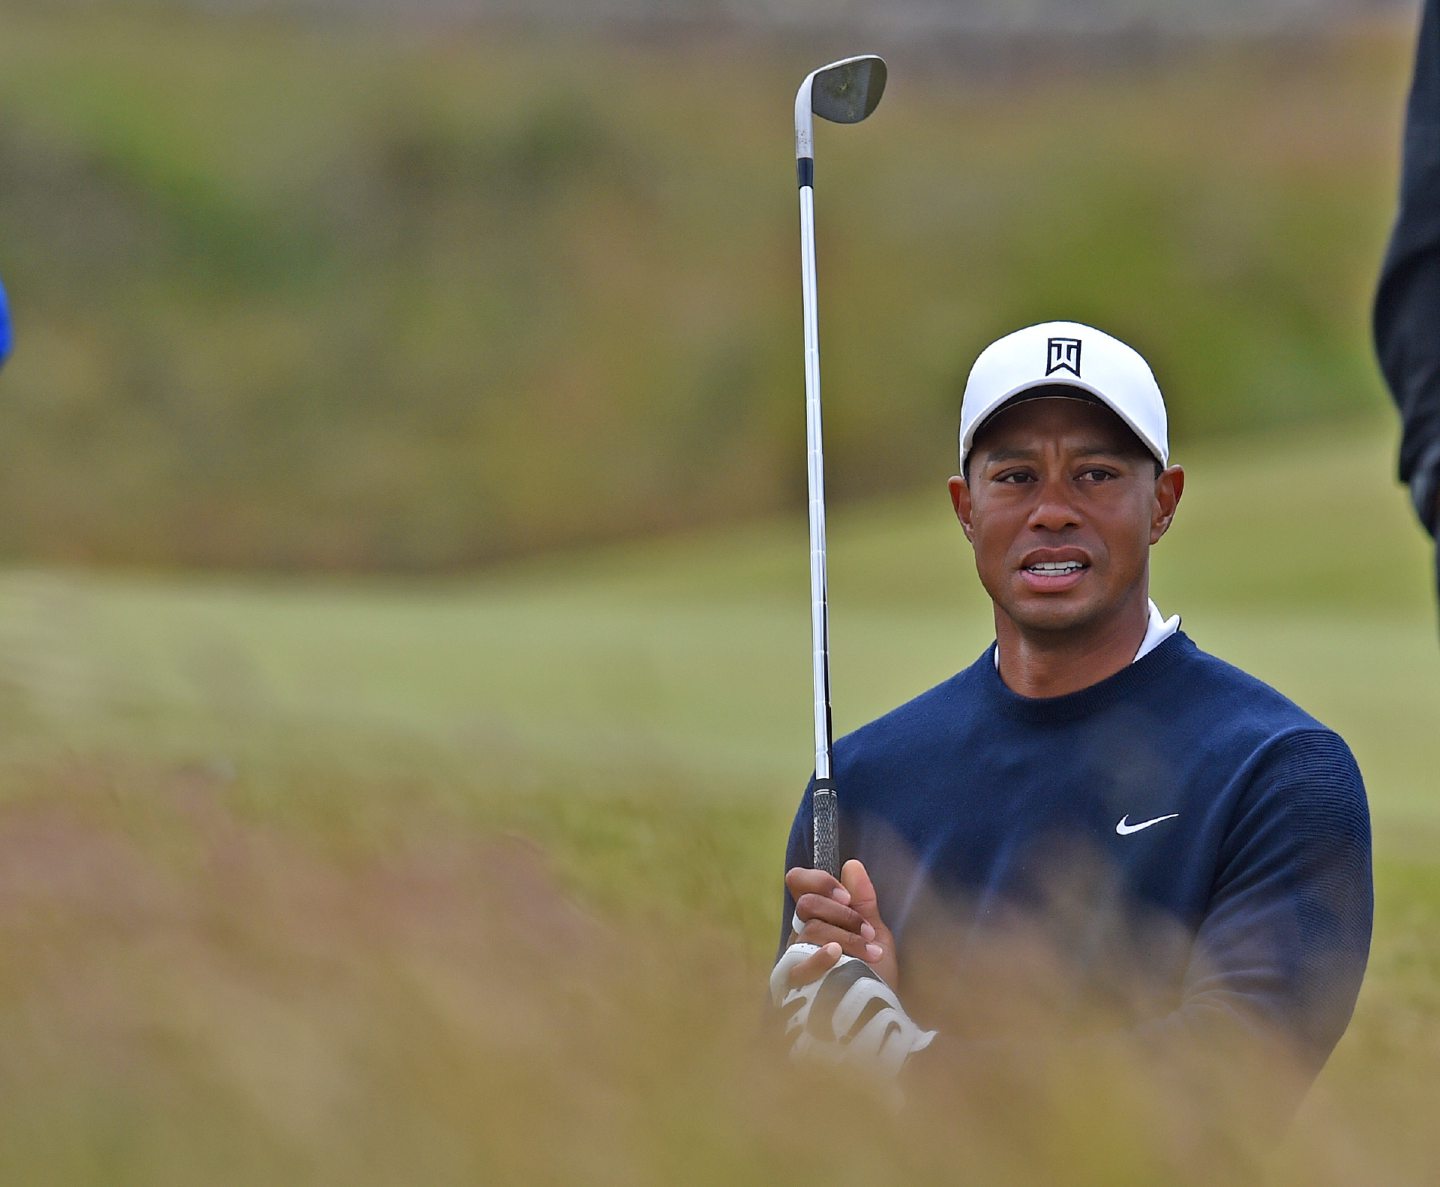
[[1407, 302], [1096, 832]]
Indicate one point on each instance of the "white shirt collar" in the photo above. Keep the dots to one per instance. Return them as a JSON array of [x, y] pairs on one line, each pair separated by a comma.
[[1157, 630]]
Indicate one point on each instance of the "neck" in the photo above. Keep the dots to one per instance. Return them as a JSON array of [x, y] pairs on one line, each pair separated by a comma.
[[1041, 663]]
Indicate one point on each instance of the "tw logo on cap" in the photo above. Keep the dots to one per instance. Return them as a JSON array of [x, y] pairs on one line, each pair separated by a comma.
[[1062, 354]]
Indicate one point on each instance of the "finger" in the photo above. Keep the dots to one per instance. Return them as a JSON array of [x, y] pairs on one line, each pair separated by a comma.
[[815, 966], [863, 899], [827, 910], [827, 935], [801, 881]]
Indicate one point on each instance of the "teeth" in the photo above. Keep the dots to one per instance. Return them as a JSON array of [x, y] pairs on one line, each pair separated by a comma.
[[1056, 567]]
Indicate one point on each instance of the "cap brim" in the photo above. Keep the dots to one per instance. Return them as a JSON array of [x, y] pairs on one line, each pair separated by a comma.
[[1051, 388]]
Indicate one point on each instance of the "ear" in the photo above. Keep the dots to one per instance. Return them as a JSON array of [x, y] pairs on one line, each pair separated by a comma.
[[960, 500], [1169, 486]]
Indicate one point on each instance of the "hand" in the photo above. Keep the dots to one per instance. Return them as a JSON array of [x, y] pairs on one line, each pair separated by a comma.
[[847, 1016], [840, 918]]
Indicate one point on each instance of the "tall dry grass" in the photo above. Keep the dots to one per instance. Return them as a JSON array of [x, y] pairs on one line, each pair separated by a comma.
[[195, 988]]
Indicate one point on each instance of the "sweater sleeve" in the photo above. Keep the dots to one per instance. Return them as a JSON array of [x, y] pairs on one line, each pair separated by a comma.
[[1407, 300], [799, 851], [1283, 946]]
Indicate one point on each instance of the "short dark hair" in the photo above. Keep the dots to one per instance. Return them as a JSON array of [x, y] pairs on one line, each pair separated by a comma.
[[965, 469]]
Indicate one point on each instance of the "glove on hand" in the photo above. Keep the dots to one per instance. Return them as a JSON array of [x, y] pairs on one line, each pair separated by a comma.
[[847, 1016]]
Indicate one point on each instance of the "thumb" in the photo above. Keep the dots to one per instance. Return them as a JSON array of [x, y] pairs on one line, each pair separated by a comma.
[[856, 879]]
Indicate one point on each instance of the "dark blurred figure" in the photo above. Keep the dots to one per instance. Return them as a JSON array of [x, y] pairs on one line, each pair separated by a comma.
[[1407, 303]]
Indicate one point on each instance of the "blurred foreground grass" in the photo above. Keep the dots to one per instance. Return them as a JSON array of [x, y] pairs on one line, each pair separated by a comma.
[[476, 881]]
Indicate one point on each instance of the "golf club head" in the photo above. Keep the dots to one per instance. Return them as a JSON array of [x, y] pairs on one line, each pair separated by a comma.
[[847, 91]]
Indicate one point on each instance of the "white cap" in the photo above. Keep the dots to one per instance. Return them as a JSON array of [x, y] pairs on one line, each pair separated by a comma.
[[1066, 354]]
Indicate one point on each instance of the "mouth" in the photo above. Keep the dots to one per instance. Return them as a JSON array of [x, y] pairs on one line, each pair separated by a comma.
[[1052, 573]]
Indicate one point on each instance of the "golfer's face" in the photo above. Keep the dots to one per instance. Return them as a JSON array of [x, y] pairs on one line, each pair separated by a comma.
[[1061, 507]]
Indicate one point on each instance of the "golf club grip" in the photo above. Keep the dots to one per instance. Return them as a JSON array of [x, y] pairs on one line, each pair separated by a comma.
[[827, 828]]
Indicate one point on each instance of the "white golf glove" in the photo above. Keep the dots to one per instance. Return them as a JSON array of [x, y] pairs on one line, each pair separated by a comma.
[[848, 1016]]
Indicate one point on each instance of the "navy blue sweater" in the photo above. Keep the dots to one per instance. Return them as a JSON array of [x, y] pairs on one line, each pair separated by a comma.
[[1243, 904]]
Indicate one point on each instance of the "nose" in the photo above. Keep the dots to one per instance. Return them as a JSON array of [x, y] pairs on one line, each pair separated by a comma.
[[1054, 510]]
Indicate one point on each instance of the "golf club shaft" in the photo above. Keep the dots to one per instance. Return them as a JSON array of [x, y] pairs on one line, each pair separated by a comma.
[[844, 92], [826, 852]]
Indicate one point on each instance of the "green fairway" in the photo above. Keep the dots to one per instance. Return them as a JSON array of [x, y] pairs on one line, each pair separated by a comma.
[[324, 809], [1297, 559]]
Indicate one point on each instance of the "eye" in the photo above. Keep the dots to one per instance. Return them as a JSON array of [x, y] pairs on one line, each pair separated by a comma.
[[1096, 474], [1015, 477]]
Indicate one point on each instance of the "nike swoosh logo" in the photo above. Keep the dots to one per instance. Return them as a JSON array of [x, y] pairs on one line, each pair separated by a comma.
[[1125, 828]]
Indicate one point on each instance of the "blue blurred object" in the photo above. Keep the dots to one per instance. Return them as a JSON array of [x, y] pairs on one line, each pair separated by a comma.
[[5, 339]]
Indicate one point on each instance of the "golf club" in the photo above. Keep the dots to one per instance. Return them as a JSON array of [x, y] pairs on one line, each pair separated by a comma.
[[844, 92]]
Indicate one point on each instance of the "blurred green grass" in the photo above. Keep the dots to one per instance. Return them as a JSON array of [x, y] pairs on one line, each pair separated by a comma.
[[673, 653], [337, 297]]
